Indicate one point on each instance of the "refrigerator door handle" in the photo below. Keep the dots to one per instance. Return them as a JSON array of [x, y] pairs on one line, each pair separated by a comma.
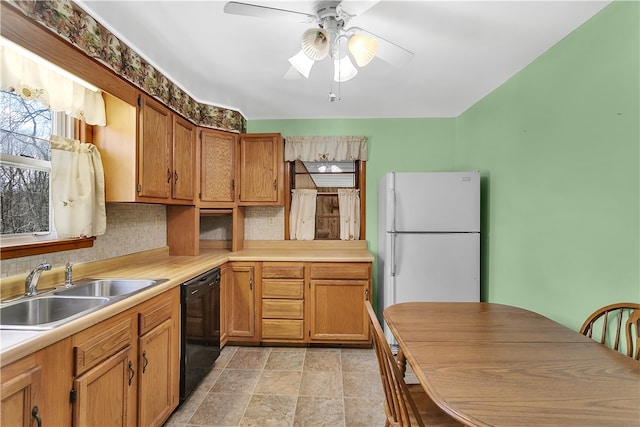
[[392, 250]]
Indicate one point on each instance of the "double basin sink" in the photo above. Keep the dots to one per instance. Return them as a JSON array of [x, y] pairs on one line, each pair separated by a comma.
[[57, 307]]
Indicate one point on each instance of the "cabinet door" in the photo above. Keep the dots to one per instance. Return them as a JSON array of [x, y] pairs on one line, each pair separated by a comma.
[[19, 395], [241, 321], [261, 169], [154, 150], [217, 166], [225, 276], [336, 310], [155, 371], [102, 393], [184, 158]]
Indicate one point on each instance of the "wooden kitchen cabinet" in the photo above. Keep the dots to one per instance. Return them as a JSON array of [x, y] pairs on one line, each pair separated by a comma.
[[315, 302], [184, 159], [126, 368], [104, 387], [158, 360], [148, 153], [282, 302], [335, 303], [40, 380], [154, 149], [241, 302], [261, 170], [217, 168], [20, 386], [226, 274]]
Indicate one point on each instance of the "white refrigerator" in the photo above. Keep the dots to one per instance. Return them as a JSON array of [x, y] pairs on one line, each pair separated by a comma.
[[428, 238]]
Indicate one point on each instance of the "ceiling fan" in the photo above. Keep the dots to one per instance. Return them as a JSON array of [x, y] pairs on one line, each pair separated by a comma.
[[331, 38]]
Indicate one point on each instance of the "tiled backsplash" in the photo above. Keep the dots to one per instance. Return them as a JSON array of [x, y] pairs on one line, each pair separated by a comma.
[[264, 223], [130, 228], [135, 227]]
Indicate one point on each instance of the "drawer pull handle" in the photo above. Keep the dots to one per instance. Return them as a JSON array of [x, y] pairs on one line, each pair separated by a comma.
[[146, 361]]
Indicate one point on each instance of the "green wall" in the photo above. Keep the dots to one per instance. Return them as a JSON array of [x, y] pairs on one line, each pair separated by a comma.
[[557, 146]]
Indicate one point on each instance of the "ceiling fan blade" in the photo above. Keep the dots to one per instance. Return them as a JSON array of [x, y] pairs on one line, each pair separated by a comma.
[[246, 9], [293, 74], [353, 8], [388, 51]]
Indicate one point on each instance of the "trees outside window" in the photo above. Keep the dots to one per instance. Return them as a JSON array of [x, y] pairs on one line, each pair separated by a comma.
[[25, 128]]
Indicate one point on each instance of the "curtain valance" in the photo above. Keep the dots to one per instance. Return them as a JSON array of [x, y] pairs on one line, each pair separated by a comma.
[[33, 80], [325, 148]]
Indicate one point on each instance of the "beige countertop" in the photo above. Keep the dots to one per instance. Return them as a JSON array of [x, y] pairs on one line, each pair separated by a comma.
[[158, 264]]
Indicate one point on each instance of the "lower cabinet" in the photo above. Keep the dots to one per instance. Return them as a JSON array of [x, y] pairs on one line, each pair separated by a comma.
[[315, 302], [337, 292], [282, 302], [20, 386], [104, 392], [158, 359], [241, 302], [126, 369]]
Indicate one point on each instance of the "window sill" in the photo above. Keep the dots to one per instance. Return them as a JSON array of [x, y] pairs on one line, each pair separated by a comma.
[[27, 249]]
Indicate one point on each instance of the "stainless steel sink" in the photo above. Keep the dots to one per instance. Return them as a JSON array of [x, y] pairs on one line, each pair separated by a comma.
[[45, 312], [107, 287]]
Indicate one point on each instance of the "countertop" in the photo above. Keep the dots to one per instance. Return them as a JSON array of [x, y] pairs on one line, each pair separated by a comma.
[[158, 264]]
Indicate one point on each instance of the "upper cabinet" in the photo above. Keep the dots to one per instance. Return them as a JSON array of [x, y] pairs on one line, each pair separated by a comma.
[[152, 155], [261, 170], [148, 153], [217, 168], [184, 159]]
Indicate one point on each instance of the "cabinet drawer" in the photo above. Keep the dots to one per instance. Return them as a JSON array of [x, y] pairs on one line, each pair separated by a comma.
[[282, 309], [342, 270], [154, 315], [101, 344], [283, 289], [281, 270], [282, 329]]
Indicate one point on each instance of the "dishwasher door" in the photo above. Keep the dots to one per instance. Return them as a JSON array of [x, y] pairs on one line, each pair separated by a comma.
[[200, 329]]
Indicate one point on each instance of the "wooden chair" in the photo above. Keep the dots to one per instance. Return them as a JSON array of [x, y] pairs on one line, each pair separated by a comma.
[[601, 319], [405, 404]]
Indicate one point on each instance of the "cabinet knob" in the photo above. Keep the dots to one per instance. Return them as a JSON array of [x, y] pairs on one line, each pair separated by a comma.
[[146, 361], [168, 176], [175, 175]]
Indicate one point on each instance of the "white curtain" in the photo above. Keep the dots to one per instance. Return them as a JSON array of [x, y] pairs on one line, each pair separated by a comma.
[[33, 80], [302, 218], [349, 204], [77, 189], [325, 148]]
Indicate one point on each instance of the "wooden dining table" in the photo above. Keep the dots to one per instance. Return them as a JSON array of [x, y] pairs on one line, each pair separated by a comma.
[[490, 364]]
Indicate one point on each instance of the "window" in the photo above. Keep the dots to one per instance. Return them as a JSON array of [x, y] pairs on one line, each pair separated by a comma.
[[326, 177], [25, 166]]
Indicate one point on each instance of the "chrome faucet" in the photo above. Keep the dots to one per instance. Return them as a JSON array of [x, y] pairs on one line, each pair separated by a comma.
[[31, 283], [68, 281]]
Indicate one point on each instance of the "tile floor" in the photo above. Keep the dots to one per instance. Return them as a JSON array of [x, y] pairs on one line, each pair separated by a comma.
[[282, 386]]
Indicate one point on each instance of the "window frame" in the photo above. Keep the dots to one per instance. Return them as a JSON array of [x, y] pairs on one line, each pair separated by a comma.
[[25, 244], [360, 183]]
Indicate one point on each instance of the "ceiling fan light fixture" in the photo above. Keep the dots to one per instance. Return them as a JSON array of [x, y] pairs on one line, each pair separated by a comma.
[[343, 69], [315, 43], [302, 63], [363, 49]]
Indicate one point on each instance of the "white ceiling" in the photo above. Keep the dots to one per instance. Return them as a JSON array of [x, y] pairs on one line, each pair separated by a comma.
[[463, 50]]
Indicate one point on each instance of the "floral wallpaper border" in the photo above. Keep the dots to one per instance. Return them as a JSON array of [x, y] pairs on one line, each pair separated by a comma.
[[73, 24]]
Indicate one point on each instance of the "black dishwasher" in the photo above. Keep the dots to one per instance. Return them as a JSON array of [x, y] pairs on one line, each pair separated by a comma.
[[200, 329]]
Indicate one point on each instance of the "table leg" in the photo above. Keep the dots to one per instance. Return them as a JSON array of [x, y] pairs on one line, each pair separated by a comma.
[[402, 362]]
